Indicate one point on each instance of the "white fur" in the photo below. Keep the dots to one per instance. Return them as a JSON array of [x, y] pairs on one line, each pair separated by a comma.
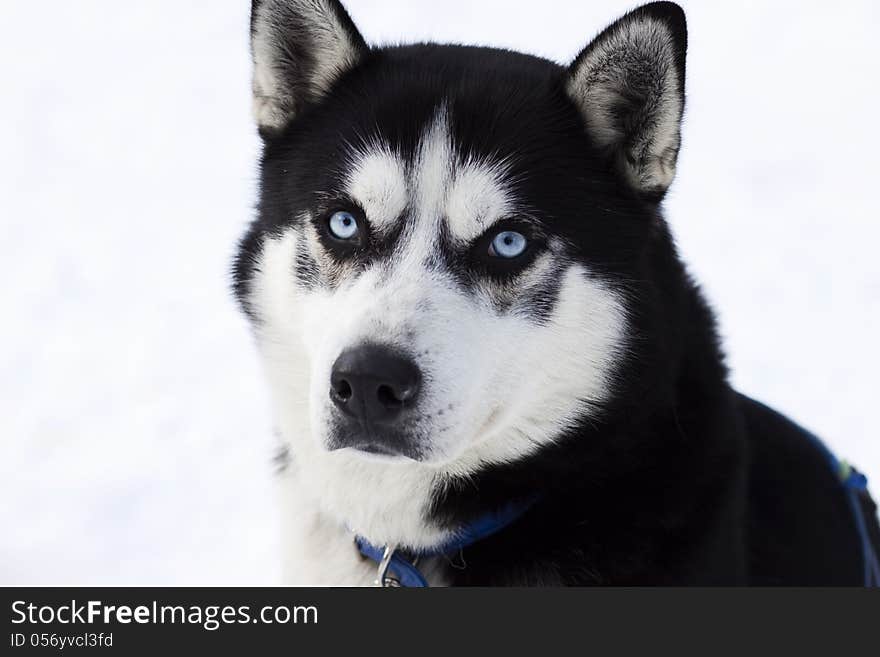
[[378, 183], [478, 196], [500, 385], [319, 550]]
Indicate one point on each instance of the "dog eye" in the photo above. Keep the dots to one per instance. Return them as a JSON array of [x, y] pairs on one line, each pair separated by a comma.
[[508, 244], [343, 225]]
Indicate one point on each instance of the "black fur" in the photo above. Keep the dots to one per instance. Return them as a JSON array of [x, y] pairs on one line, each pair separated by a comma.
[[680, 480]]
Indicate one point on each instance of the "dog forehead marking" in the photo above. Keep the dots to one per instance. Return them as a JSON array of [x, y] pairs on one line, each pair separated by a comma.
[[477, 198], [377, 182], [468, 193], [434, 165]]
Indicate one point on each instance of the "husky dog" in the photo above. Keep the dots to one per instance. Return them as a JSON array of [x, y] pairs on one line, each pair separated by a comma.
[[466, 299]]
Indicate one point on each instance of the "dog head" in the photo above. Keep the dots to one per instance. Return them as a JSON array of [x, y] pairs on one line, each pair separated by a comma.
[[437, 273]]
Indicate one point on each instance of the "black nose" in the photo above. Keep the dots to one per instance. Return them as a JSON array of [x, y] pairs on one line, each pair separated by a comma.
[[374, 384]]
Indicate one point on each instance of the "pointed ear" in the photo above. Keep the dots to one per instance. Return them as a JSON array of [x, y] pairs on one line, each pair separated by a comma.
[[629, 86], [300, 48]]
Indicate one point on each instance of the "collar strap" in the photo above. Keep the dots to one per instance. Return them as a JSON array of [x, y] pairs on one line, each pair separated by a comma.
[[398, 566]]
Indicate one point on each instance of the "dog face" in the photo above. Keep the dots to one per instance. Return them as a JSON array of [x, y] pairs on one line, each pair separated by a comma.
[[437, 274]]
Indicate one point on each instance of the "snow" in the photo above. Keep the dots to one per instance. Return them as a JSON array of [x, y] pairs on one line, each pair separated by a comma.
[[136, 438]]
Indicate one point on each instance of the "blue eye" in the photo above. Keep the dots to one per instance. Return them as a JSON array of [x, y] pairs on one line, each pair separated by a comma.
[[508, 244], [343, 225]]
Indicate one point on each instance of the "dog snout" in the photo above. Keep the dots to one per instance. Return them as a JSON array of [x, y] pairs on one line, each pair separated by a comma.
[[374, 384]]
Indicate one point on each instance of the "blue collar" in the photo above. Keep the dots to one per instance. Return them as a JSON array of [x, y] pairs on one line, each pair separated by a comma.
[[398, 566]]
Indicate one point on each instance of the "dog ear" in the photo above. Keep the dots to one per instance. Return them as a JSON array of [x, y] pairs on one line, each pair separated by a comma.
[[629, 87], [300, 48]]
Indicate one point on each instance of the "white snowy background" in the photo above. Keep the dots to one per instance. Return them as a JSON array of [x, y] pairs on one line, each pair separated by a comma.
[[135, 429]]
